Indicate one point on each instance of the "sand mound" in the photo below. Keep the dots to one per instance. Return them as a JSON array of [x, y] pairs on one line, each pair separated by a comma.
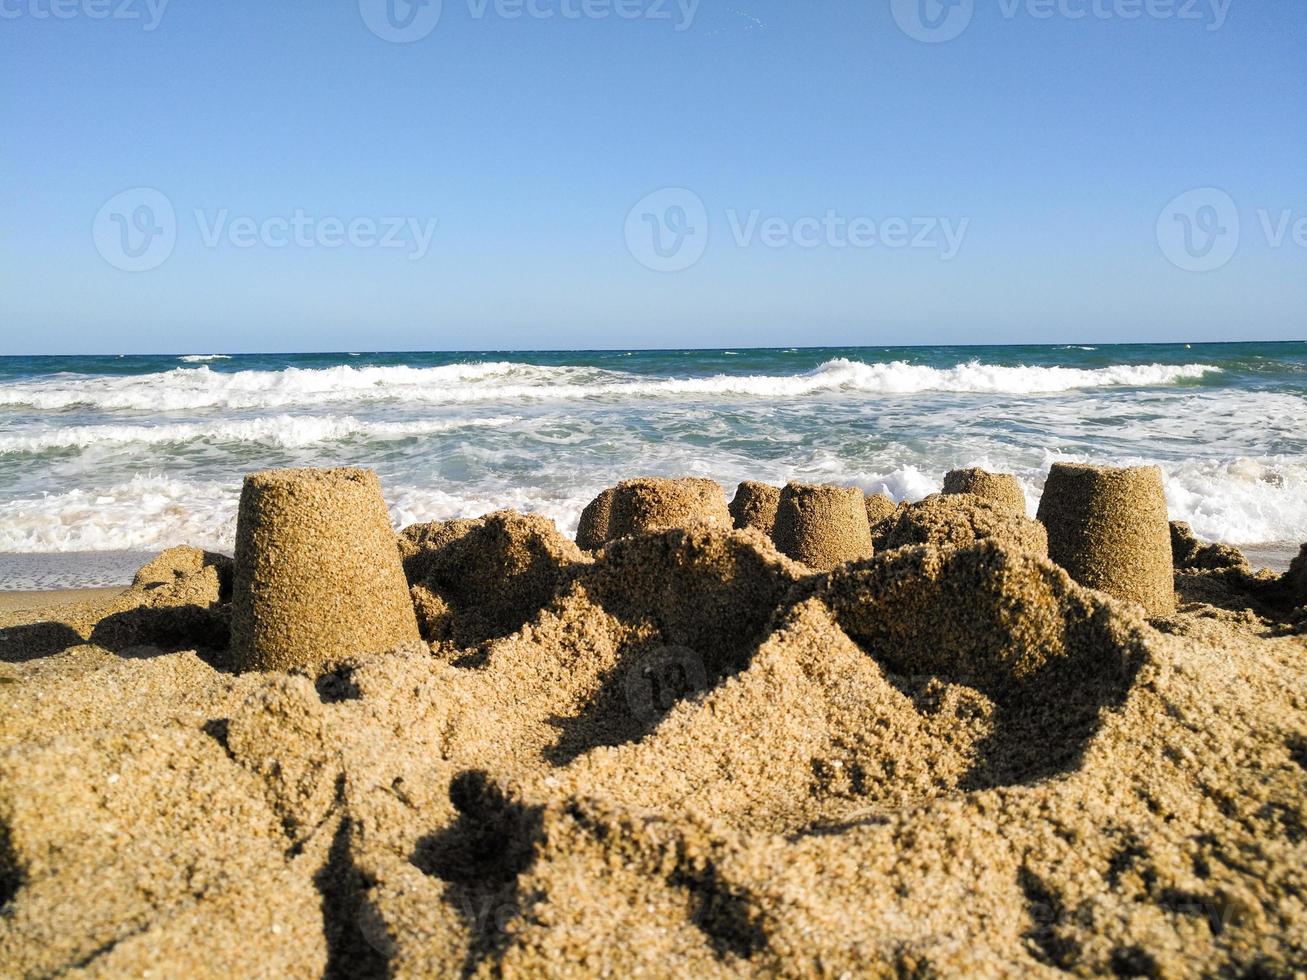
[[178, 601], [184, 604], [983, 612], [474, 580], [592, 528], [280, 734], [694, 757], [958, 520], [970, 716], [187, 574], [651, 503], [1190, 554], [1107, 526], [317, 572], [998, 488], [754, 506], [1296, 578], [821, 525], [146, 850], [674, 612]]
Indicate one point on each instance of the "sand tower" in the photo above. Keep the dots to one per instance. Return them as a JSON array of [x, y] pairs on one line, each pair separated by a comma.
[[754, 506], [998, 488], [318, 574], [592, 528], [879, 507], [821, 525], [1107, 526], [651, 502]]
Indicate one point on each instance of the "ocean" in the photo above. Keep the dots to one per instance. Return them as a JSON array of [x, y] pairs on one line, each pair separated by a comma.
[[119, 455]]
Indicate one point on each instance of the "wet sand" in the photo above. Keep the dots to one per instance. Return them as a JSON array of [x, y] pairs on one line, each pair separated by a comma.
[[53, 598]]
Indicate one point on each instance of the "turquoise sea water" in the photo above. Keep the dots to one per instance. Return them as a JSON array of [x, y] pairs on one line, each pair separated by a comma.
[[140, 452]]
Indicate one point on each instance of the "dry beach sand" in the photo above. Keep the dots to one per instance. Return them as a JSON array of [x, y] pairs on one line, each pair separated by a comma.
[[669, 751]]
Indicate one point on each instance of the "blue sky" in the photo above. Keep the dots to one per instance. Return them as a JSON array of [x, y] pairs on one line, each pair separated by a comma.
[[1016, 182]]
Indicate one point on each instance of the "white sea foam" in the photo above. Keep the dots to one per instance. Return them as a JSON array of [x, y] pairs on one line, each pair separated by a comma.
[[1244, 501], [192, 389], [154, 512], [202, 358], [147, 512], [107, 463], [1241, 502], [280, 432]]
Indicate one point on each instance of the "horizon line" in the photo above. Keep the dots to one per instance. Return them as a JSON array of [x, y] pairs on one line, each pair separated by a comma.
[[659, 350]]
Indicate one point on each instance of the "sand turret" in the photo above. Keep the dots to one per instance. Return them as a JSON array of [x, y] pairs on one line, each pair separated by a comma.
[[822, 525], [754, 506], [318, 574], [998, 488], [592, 528], [1107, 526], [879, 507]]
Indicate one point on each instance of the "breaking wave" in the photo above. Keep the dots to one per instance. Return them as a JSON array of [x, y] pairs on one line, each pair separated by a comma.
[[279, 432], [199, 388]]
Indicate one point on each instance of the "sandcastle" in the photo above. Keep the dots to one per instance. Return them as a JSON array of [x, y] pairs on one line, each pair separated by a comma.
[[998, 488], [317, 574], [650, 503], [754, 505], [592, 528], [1108, 527], [879, 508], [683, 753], [821, 525]]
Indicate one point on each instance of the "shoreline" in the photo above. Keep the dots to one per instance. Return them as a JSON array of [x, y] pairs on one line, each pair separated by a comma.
[[1276, 556], [60, 571], [33, 599]]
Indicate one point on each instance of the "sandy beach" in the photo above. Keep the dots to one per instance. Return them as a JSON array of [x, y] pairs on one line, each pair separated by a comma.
[[653, 489], [680, 752]]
